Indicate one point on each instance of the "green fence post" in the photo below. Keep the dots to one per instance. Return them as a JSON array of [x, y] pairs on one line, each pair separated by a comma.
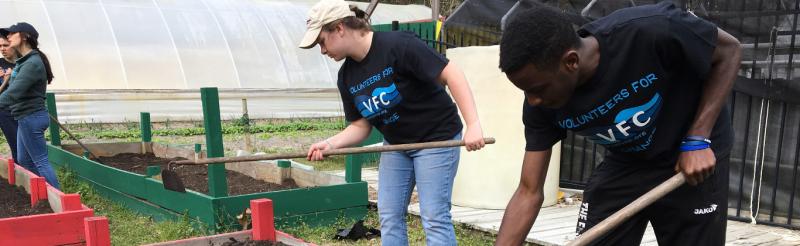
[[353, 163], [284, 170], [145, 127], [217, 184], [352, 168], [197, 149], [55, 132]]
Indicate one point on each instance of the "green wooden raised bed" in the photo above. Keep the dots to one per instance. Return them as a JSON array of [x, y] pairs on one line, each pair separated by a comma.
[[323, 204]]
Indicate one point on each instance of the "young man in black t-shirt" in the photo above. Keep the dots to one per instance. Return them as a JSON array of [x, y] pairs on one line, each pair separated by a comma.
[[648, 83]]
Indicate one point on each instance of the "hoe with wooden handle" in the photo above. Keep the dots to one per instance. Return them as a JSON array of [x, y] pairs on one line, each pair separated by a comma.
[[172, 182], [625, 213]]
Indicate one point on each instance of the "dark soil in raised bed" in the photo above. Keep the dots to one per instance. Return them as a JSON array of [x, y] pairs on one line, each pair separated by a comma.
[[194, 177], [248, 242], [14, 202]]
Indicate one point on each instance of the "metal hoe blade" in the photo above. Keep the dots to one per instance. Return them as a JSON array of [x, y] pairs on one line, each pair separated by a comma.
[[171, 180]]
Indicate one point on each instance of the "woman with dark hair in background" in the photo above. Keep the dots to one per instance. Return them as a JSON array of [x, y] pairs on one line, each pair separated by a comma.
[[25, 99]]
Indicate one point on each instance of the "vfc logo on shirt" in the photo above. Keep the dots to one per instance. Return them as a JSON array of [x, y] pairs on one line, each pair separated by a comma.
[[631, 124]]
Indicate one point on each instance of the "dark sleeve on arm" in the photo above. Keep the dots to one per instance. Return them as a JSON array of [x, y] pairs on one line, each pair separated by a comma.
[[540, 131], [417, 59], [350, 112], [689, 40], [23, 79]]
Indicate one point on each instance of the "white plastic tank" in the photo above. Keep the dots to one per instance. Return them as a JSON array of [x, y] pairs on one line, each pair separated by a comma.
[[488, 178]]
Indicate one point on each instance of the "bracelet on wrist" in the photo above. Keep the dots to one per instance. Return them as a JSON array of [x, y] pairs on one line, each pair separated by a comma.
[[329, 143], [692, 143]]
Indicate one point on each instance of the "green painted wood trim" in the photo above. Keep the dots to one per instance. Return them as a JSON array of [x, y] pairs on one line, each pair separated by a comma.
[[425, 30], [354, 163], [317, 204], [284, 163], [304, 200], [151, 191], [352, 168], [130, 183], [145, 127], [158, 213], [217, 184], [153, 171], [195, 204], [55, 131]]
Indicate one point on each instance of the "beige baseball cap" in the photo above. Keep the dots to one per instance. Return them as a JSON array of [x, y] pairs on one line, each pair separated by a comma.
[[324, 12]]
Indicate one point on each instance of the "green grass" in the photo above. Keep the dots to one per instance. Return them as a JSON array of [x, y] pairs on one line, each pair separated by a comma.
[[416, 235], [130, 228], [331, 163], [287, 127], [126, 226]]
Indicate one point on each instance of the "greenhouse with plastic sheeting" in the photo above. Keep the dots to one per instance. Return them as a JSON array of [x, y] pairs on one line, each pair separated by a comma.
[[115, 58]]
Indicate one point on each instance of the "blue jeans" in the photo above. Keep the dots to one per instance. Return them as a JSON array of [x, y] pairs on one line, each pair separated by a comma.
[[432, 171], [32, 148], [9, 127]]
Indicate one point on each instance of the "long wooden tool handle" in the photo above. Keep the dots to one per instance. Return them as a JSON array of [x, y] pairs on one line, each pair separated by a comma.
[[72, 136], [625, 213], [342, 151]]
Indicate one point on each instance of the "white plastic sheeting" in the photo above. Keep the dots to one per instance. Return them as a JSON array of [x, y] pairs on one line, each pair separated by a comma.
[[181, 105], [182, 44]]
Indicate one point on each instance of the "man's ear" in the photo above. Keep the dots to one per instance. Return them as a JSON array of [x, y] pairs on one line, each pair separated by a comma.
[[570, 60]]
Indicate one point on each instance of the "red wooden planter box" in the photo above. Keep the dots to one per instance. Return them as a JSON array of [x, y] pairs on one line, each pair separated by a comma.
[[263, 229], [71, 222]]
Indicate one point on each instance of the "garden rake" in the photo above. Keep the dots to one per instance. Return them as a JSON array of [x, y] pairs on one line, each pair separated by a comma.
[[92, 155], [173, 182]]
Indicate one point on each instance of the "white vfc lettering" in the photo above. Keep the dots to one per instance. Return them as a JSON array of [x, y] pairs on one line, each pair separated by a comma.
[[373, 104], [623, 127]]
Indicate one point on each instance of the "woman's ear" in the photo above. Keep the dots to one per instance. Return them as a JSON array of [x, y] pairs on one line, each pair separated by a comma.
[[340, 28]]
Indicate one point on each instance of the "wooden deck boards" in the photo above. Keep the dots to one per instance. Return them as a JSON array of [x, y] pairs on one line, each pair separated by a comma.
[[556, 224]]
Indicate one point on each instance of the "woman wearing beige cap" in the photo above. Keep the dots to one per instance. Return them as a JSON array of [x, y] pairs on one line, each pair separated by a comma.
[[394, 82]]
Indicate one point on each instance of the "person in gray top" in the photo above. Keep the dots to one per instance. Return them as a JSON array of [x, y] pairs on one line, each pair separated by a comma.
[[25, 99]]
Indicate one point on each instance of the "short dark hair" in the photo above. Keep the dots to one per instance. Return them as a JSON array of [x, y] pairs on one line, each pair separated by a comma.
[[538, 36]]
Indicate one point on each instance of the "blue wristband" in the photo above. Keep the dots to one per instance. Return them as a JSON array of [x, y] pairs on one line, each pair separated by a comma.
[[693, 142], [696, 138], [685, 148]]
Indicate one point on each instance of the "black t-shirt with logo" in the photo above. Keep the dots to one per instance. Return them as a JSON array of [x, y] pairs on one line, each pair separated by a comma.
[[395, 87], [5, 64], [644, 95]]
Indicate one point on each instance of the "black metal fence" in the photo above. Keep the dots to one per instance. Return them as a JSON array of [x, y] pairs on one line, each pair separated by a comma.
[[452, 37]]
